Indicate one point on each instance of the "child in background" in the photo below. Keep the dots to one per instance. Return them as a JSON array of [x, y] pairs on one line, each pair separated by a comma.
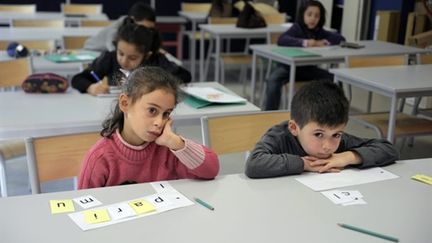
[[138, 143], [136, 46], [140, 12], [308, 31], [314, 139]]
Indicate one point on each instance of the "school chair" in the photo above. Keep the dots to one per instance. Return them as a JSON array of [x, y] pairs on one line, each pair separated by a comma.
[[56, 157], [81, 9], [194, 8], [373, 61], [39, 45], [175, 29], [406, 125], [94, 23], [238, 132], [18, 8], [74, 42], [13, 73], [52, 23]]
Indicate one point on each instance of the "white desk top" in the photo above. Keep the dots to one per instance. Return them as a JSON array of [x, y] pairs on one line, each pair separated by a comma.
[[194, 16], [6, 17], [407, 79], [264, 210], [39, 33], [41, 65], [170, 19], [338, 54], [24, 115], [232, 30]]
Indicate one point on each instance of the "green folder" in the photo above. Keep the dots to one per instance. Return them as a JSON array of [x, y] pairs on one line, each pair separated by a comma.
[[294, 52], [74, 57]]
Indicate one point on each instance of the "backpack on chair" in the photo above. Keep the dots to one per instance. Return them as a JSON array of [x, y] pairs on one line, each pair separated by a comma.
[[250, 18]]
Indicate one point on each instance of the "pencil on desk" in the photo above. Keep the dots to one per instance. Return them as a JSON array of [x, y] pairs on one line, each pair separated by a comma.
[[368, 232], [204, 204]]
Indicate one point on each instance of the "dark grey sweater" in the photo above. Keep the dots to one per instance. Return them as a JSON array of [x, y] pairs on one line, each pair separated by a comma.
[[279, 153]]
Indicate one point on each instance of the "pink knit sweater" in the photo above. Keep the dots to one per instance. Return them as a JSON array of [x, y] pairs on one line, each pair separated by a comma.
[[112, 161]]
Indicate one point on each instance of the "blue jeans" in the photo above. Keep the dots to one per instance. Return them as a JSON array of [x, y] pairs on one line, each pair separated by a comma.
[[280, 76]]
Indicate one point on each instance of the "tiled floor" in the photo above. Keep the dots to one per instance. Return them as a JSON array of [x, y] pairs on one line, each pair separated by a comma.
[[17, 169]]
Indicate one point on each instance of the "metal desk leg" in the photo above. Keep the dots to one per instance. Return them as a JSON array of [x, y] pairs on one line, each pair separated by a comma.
[[392, 119], [217, 58], [291, 86], [202, 57], [253, 78]]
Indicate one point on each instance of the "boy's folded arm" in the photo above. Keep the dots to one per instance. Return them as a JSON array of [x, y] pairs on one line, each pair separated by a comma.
[[373, 152], [263, 163]]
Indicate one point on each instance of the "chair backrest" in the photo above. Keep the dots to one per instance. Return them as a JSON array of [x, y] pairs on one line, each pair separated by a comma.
[[13, 72], [81, 8], [240, 132], [196, 7], [278, 18], [19, 8], [53, 23], [375, 61], [41, 45], [56, 157], [95, 23], [74, 42], [424, 58], [222, 20]]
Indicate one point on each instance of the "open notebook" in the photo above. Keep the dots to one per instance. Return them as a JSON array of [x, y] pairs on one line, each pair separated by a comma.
[[199, 97]]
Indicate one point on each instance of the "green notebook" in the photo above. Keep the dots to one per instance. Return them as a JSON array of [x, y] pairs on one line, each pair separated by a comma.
[[74, 57], [294, 52], [199, 103], [199, 97]]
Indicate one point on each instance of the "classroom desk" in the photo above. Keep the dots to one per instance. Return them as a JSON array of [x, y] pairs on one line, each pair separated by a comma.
[[395, 82], [42, 65], [34, 115], [44, 33], [224, 31], [195, 18], [246, 210], [6, 17], [331, 54]]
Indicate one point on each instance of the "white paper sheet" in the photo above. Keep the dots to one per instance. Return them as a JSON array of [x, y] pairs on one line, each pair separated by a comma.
[[347, 177], [212, 95], [120, 212]]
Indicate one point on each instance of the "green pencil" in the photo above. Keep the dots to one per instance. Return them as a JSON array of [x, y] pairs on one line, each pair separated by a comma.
[[204, 204], [364, 231]]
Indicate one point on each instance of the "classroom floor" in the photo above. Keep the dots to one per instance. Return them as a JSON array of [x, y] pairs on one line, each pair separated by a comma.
[[233, 163]]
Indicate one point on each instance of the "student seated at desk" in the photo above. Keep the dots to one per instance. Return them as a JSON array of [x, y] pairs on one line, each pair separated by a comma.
[[308, 31], [314, 139], [136, 46], [138, 143], [140, 12]]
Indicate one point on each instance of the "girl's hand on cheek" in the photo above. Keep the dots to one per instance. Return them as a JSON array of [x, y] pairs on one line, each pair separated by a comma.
[[169, 139]]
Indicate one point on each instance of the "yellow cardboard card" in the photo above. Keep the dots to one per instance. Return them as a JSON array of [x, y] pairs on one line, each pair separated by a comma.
[[141, 206], [61, 206], [96, 216], [423, 178]]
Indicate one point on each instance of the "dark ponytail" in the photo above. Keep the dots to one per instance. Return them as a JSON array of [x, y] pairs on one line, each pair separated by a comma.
[[143, 38]]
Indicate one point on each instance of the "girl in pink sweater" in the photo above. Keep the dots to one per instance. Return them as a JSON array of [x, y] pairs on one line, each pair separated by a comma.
[[138, 143]]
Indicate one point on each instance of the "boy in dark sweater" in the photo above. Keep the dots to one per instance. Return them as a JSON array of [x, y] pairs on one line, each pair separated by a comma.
[[313, 140]]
